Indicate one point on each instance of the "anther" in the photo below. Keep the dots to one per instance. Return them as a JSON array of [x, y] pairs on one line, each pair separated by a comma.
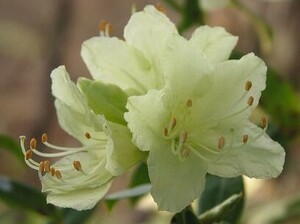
[[172, 124], [105, 27], [47, 166], [44, 138], [221, 142], [52, 171], [183, 136], [166, 132], [87, 135], [42, 166], [264, 122], [77, 165], [189, 103], [250, 100], [245, 139], [160, 8], [28, 154], [186, 152], [32, 143], [58, 174], [248, 85]]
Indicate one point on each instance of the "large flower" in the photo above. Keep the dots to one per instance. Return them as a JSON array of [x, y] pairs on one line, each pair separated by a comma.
[[83, 175], [198, 123]]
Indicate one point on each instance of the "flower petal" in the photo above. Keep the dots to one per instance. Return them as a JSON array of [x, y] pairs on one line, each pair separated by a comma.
[[80, 199], [122, 154], [66, 91], [186, 70], [149, 31], [227, 100], [146, 118], [215, 42], [175, 183], [261, 158], [111, 60], [85, 122], [78, 189]]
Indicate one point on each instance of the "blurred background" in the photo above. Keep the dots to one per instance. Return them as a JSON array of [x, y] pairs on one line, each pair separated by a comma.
[[37, 36]]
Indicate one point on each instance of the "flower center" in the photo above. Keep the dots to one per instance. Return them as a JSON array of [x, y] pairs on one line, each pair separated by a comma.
[[182, 145], [44, 166]]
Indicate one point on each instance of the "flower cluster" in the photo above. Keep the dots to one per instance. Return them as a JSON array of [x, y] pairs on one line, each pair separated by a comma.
[[179, 104]]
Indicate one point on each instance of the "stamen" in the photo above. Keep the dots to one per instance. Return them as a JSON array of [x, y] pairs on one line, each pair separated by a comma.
[[172, 124], [42, 166], [58, 174], [52, 171], [189, 103], [264, 122], [105, 28], [32, 143], [250, 100], [77, 165], [28, 154], [186, 152], [44, 138], [47, 166], [87, 135], [221, 142], [160, 8], [245, 139], [166, 132], [248, 85], [182, 139]]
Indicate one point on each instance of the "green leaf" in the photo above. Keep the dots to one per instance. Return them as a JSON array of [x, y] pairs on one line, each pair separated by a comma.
[[12, 146], [217, 190], [139, 177], [16, 194], [221, 211], [71, 216], [191, 15], [281, 101], [186, 216], [106, 99]]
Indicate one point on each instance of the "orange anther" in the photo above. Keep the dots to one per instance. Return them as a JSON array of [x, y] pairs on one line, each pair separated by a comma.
[[42, 166], [248, 85], [28, 154], [32, 143], [58, 174], [250, 101], [52, 171], [264, 121], [87, 135], [245, 139], [189, 103], [77, 165], [47, 166], [221, 142], [44, 137]]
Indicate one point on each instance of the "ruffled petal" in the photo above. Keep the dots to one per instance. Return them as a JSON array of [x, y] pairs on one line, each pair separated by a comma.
[[149, 31], [215, 42], [121, 153], [260, 158], [111, 60], [66, 91], [175, 183], [146, 118]]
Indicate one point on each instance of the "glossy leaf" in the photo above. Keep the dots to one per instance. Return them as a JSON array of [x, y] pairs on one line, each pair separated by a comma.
[[217, 190], [187, 216], [20, 195]]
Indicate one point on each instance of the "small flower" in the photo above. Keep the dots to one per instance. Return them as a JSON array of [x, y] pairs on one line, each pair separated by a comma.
[[83, 175], [195, 120]]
